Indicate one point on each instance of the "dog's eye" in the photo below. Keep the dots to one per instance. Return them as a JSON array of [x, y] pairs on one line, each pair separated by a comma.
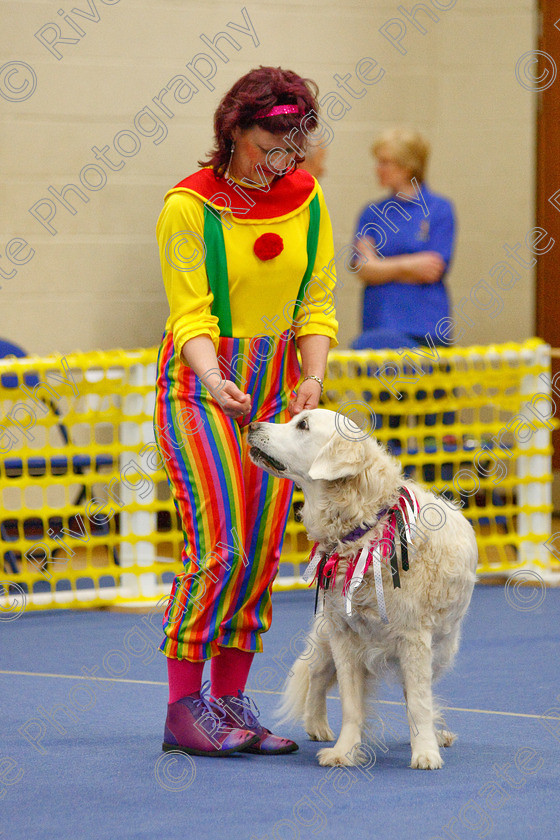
[[304, 425]]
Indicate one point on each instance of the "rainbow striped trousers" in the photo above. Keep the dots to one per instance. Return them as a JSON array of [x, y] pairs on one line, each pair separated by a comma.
[[233, 513]]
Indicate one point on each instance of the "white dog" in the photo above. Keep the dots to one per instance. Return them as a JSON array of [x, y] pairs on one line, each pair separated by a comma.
[[407, 620]]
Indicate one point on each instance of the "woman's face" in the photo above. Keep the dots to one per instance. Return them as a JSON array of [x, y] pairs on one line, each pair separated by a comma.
[[391, 174], [252, 146]]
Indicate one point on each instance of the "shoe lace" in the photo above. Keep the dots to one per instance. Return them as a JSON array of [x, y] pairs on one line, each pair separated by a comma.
[[247, 708], [208, 703]]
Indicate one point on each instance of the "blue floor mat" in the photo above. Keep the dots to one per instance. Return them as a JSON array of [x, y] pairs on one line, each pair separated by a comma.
[[81, 759]]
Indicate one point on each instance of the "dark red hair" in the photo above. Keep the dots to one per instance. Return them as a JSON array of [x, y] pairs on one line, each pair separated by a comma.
[[256, 93]]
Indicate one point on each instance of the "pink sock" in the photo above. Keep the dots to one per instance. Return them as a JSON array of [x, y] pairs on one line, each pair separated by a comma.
[[229, 671], [184, 677]]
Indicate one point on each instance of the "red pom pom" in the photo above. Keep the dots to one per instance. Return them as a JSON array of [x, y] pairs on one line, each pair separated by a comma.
[[268, 246]]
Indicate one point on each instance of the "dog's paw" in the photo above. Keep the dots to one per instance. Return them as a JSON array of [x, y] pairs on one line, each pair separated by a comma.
[[445, 738], [320, 732], [331, 757], [426, 760]]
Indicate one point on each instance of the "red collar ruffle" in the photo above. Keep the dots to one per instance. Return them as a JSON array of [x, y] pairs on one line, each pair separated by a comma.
[[284, 197]]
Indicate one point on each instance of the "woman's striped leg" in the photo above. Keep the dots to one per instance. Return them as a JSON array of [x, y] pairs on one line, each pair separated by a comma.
[[204, 466], [267, 498], [267, 508]]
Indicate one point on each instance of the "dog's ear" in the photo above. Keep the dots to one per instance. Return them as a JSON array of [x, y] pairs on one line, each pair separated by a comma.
[[338, 458]]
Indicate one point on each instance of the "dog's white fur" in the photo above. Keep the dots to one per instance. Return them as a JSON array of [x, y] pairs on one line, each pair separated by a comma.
[[347, 477]]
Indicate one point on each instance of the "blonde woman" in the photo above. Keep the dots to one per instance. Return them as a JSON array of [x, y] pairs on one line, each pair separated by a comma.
[[410, 235]]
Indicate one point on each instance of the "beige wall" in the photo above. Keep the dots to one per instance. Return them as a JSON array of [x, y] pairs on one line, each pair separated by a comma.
[[96, 283]]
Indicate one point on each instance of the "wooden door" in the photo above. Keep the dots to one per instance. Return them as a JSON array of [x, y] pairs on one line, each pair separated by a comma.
[[548, 182]]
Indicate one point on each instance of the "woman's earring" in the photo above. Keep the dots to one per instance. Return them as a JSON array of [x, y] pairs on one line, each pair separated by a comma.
[[229, 161]]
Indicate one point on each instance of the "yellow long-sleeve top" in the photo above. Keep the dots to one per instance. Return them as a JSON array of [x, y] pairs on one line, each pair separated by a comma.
[[262, 292]]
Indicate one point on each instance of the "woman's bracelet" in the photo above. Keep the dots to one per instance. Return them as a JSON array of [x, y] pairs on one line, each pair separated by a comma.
[[316, 378]]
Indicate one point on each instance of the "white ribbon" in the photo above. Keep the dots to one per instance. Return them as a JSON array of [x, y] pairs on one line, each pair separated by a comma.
[[409, 518], [376, 563], [357, 577], [311, 568]]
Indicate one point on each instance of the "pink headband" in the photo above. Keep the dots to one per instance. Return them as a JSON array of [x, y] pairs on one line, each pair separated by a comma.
[[280, 109]]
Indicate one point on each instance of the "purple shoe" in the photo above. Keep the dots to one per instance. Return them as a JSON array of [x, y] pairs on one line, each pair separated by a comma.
[[198, 726], [239, 713]]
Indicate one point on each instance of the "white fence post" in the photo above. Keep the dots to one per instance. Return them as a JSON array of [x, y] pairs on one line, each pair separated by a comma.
[[138, 430]]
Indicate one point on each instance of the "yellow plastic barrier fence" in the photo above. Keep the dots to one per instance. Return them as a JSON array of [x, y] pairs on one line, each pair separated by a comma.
[[86, 516]]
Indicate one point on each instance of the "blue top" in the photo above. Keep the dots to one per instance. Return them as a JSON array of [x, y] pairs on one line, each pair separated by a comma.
[[410, 308]]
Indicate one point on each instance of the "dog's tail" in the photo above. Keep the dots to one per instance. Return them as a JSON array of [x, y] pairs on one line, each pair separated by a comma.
[[292, 706]]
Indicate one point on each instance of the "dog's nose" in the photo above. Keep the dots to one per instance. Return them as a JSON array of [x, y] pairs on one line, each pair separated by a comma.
[[253, 427]]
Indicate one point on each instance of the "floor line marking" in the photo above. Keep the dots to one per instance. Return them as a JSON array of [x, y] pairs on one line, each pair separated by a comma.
[[263, 691], [82, 677]]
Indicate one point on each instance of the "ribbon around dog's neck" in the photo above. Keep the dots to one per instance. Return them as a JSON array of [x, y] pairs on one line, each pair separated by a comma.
[[323, 565]]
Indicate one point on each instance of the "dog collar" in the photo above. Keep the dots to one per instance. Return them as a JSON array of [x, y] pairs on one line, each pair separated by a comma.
[[323, 565], [359, 532]]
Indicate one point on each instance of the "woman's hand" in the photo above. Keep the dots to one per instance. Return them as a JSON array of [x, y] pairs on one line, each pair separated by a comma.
[[314, 350], [307, 397], [424, 267], [200, 355], [420, 267], [233, 401]]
